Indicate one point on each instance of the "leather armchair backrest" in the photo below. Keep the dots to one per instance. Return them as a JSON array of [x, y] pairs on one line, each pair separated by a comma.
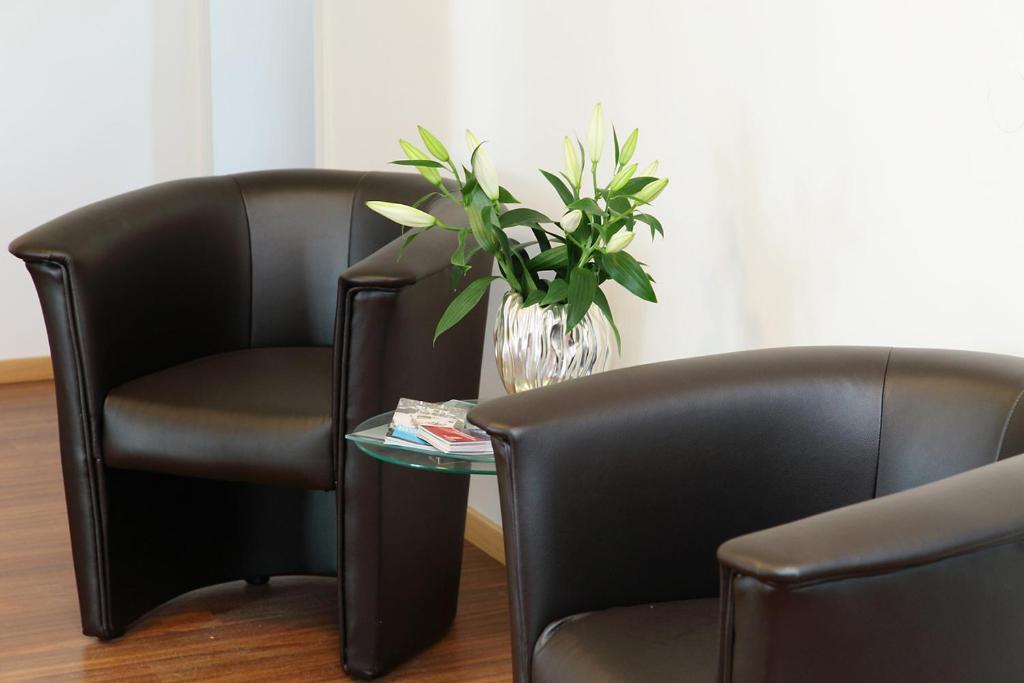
[[694, 441], [143, 281], [947, 412], [158, 276], [618, 489], [305, 228]]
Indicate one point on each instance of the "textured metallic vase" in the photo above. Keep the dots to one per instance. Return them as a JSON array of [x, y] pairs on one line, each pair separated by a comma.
[[532, 349]]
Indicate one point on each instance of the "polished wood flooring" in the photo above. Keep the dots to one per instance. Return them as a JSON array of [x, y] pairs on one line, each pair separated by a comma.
[[285, 631]]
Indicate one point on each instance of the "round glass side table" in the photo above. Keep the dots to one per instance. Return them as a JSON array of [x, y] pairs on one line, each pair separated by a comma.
[[368, 436]]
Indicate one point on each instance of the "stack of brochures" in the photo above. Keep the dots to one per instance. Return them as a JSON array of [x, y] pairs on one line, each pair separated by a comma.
[[436, 427]]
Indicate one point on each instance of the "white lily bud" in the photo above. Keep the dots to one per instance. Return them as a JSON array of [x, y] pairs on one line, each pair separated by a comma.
[[595, 136], [402, 214], [415, 153], [434, 146], [471, 141], [621, 178], [573, 164], [628, 147], [486, 174], [571, 221], [618, 242], [651, 191], [651, 169]]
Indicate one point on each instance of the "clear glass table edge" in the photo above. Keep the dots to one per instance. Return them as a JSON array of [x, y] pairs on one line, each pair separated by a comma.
[[416, 458]]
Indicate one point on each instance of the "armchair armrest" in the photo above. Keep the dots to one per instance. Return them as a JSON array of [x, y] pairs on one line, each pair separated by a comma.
[[617, 489], [384, 340], [428, 255], [384, 350], [918, 585]]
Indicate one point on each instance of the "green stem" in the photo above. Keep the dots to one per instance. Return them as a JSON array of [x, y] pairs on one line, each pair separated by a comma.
[[452, 228], [455, 172], [585, 257], [448, 194]]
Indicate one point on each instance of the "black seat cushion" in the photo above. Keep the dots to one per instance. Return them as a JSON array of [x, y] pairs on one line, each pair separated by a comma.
[[259, 415], [666, 641]]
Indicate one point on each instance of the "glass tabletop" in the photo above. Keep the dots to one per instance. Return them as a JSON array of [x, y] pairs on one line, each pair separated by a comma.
[[368, 436]]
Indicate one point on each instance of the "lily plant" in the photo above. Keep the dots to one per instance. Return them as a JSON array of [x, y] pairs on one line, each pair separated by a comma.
[[569, 257]]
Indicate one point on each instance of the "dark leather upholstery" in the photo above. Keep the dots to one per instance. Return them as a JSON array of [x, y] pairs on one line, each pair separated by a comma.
[[211, 344], [668, 641], [260, 415], [618, 489]]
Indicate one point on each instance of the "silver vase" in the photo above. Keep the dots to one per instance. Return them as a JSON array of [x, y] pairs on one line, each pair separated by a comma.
[[532, 349]]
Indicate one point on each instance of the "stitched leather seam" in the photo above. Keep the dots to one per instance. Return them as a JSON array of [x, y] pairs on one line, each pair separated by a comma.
[[881, 418], [727, 627], [350, 297], [92, 459], [248, 231], [346, 348], [515, 578], [1006, 425], [1006, 539]]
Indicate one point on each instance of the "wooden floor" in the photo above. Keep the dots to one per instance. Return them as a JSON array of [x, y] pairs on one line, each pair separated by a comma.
[[285, 631]]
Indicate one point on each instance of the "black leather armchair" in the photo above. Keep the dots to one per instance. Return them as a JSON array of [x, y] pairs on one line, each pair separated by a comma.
[[864, 505], [212, 341]]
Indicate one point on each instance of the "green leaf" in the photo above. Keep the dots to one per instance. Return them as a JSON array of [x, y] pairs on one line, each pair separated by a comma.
[[556, 257], [651, 221], [619, 205], [482, 230], [615, 137], [523, 216], [409, 237], [505, 197], [457, 273], [560, 188], [581, 292], [558, 290], [542, 237], [602, 302], [416, 204], [586, 205], [490, 216], [635, 185], [460, 260], [612, 227], [533, 297], [625, 270], [462, 304], [519, 265], [428, 163], [468, 187], [459, 255]]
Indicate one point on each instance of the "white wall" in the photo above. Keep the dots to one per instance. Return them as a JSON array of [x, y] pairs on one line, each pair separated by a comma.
[[98, 98], [262, 84], [106, 96], [842, 173]]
